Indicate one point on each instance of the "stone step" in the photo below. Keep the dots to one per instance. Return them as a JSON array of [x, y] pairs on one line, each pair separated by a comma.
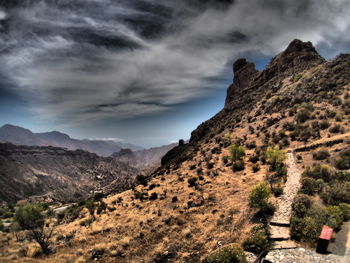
[[279, 233], [285, 244]]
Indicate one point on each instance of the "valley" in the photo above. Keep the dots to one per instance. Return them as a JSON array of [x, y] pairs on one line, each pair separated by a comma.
[[280, 145]]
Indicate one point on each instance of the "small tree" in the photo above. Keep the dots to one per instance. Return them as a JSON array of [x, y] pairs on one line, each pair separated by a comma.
[[259, 197], [31, 218], [237, 152], [275, 157]]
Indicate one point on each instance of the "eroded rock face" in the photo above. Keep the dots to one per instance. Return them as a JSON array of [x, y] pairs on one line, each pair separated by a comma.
[[58, 174]]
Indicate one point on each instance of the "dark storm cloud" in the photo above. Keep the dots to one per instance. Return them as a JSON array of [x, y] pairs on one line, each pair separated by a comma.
[[102, 59]]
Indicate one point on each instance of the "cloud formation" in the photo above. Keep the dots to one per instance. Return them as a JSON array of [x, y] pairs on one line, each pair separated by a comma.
[[89, 60]]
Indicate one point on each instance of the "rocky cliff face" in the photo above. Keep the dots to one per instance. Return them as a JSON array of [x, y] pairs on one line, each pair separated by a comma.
[[145, 160], [58, 174], [251, 87]]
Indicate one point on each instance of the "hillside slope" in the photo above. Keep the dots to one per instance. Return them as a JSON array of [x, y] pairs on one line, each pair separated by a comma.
[[147, 160], [198, 200], [58, 174]]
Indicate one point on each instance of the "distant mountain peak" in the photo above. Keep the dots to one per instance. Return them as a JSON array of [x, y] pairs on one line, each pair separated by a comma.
[[22, 136]]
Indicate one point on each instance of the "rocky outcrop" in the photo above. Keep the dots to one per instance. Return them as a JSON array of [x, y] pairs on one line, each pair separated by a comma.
[[244, 73], [145, 160], [59, 174], [298, 56]]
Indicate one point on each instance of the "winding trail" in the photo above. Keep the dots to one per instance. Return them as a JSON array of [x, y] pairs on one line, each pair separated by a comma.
[[280, 222]]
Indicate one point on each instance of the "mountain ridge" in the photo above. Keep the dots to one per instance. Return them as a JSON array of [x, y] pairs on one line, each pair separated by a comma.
[[22, 136]]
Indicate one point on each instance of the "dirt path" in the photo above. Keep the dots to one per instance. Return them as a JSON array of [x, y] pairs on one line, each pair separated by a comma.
[[284, 203]]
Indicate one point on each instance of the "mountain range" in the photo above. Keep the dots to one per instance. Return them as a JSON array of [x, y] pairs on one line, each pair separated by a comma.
[[22, 136]]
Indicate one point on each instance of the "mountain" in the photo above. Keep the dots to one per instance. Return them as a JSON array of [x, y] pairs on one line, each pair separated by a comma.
[[19, 135], [146, 160], [52, 174], [198, 201]]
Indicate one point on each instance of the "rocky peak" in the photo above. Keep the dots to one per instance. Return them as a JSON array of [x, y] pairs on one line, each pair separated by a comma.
[[244, 72], [297, 57]]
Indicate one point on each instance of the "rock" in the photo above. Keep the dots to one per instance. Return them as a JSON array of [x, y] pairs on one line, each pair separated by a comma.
[[244, 73]]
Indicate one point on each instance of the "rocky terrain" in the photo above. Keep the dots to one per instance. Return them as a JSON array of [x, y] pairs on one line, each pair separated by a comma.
[[54, 174], [21, 136], [146, 160], [198, 201]]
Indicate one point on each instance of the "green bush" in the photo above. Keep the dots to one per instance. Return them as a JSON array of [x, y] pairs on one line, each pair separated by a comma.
[[343, 162], [336, 193], [232, 253], [320, 154], [275, 157], [310, 186], [31, 218], [303, 115], [306, 229], [1, 226], [345, 208], [259, 240], [324, 172], [237, 152], [259, 197], [324, 124], [301, 204], [335, 217]]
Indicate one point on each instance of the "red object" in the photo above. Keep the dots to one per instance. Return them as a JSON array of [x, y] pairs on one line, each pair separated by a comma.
[[326, 233]]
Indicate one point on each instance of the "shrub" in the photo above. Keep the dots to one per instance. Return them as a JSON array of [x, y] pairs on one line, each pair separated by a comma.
[[324, 172], [224, 159], [238, 166], [192, 181], [310, 186], [297, 77], [91, 206], [335, 129], [102, 206], [1, 226], [289, 126], [320, 154], [336, 193], [343, 162], [259, 197], [259, 240], [301, 204], [345, 209], [237, 152], [251, 145], [335, 217], [232, 253], [30, 218], [256, 167], [324, 124], [278, 191], [141, 179], [275, 156], [303, 115], [254, 158]]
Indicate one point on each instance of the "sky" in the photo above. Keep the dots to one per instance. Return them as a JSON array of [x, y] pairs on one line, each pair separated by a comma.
[[146, 72]]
